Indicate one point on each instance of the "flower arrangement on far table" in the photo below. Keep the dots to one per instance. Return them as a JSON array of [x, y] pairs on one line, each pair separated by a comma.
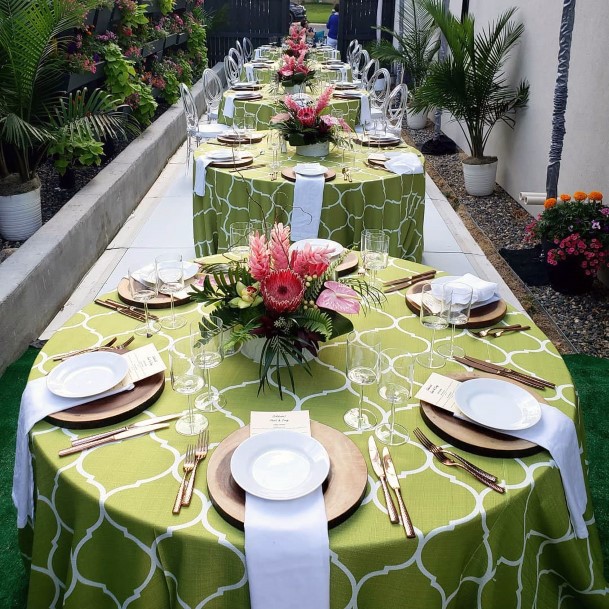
[[576, 228], [302, 123], [294, 71], [287, 297], [295, 43]]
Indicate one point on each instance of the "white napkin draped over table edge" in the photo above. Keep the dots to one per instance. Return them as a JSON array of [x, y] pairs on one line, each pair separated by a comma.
[[229, 106], [249, 72], [201, 163], [405, 163], [37, 402], [306, 209]]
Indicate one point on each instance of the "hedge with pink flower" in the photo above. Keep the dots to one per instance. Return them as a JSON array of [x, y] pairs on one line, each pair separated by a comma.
[[303, 123], [287, 297]]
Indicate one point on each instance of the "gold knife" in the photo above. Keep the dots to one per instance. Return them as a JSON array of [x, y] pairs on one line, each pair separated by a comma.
[[377, 466], [123, 435], [394, 483], [146, 423]]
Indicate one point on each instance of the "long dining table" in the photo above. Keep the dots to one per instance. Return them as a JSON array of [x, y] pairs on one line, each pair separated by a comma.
[[104, 535]]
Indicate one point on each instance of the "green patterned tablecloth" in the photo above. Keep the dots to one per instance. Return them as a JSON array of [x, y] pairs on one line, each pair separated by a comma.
[[267, 107], [374, 199], [104, 535]]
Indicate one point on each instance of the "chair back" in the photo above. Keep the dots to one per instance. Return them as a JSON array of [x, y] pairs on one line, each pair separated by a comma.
[[396, 108], [248, 50], [378, 89], [232, 69], [359, 63], [190, 109], [351, 49], [369, 69], [212, 89], [239, 50]]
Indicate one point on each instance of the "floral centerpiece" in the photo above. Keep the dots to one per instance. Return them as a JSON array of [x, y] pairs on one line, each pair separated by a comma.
[[287, 298], [295, 43], [575, 231], [294, 72], [302, 124]]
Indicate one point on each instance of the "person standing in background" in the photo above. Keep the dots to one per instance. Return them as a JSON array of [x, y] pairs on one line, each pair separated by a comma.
[[332, 26]]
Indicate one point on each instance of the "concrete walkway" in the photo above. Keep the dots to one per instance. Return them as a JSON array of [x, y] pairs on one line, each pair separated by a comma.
[[163, 222]]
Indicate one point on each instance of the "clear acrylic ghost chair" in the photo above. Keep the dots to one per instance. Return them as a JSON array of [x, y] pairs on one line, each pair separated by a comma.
[[378, 93], [359, 63], [248, 49], [351, 49], [369, 69], [212, 93], [237, 55], [396, 108], [239, 50], [232, 71]]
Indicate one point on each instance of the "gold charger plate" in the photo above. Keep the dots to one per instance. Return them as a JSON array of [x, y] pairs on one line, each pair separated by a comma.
[[344, 487], [375, 143], [244, 161], [251, 97], [162, 301], [239, 139], [289, 174]]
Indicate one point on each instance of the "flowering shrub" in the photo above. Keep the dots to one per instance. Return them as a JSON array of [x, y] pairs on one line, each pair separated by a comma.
[[575, 226], [302, 122], [287, 297]]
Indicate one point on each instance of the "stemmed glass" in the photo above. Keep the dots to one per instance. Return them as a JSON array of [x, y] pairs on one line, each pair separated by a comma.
[[208, 352], [376, 248], [363, 355], [239, 239], [395, 386], [170, 279], [433, 317], [457, 305], [186, 379], [143, 292]]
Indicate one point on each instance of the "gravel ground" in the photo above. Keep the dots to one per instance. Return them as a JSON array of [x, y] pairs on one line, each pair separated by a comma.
[[576, 324]]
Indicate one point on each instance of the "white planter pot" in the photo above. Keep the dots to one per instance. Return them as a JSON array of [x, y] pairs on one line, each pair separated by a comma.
[[294, 89], [252, 349], [20, 215], [316, 150], [480, 179], [416, 120]]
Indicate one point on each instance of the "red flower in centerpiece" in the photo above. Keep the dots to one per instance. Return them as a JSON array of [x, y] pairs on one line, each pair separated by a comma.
[[307, 116], [282, 291]]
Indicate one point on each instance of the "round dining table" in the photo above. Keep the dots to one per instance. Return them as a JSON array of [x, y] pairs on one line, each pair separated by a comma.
[[104, 535], [372, 197]]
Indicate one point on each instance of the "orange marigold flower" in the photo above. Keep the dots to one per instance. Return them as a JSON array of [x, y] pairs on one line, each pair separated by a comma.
[[551, 202], [595, 195], [579, 195], [565, 198]]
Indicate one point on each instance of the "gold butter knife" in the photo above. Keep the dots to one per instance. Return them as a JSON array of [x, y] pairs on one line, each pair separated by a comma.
[[394, 483], [377, 466]]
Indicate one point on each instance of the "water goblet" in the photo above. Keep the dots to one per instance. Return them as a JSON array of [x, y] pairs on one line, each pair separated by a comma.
[[395, 386], [458, 301], [207, 353], [186, 379], [377, 253], [363, 354], [239, 239], [143, 291], [431, 316], [170, 279]]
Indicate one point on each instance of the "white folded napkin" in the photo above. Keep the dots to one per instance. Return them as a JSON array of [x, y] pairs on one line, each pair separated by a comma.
[[249, 72], [306, 210], [556, 432], [405, 163], [38, 402], [481, 290], [343, 73], [364, 109], [229, 106], [201, 163]]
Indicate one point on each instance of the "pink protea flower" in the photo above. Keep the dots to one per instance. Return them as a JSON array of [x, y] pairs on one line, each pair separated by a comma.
[[259, 262], [282, 291], [280, 244], [324, 99], [306, 116], [310, 261]]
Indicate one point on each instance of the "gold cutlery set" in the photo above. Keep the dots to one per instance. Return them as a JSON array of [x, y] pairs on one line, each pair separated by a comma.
[[406, 282], [194, 455], [497, 331], [124, 309], [109, 346]]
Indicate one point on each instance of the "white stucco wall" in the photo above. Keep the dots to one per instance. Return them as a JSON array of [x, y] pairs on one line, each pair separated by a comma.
[[523, 152]]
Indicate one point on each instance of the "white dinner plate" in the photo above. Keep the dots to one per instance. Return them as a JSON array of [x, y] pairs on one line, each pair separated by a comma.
[[498, 404], [447, 278], [244, 85], [147, 274], [246, 94], [336, 248], [280, 465], [222, 155], [88, 374], [349, 93], [310, 169]]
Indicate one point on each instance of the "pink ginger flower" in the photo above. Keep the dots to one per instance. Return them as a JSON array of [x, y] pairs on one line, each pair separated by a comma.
[[281, 117], [324, 99], [259, 262], [280, 244], [310, 261], [291, 104], [306, 116]]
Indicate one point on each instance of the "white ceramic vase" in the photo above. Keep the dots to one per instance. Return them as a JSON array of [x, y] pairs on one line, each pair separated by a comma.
[[294, 89], [480, 178], [416, 120], [315, 150], [20, 215]]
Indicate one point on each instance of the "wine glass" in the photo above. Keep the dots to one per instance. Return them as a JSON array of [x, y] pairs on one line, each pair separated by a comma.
[[395, 386], [170, 279], [239, 239], [432, 316], [376, 249], [207, 352], [363, 354], [458, 302], [143, 292], [186, 379]]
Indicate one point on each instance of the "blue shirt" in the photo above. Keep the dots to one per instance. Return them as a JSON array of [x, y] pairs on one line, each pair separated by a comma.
[[332, 26]]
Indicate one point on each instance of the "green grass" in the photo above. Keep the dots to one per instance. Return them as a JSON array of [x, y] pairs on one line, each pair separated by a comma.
[[318, 13]]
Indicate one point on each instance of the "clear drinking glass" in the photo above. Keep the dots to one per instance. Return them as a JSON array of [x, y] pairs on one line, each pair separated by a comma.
[[432, 316], [395, 386], [186, 379], [239, 244], [207, 352], [457, 305], [363, 354], [377, 253], [143, 291], [170, 279]]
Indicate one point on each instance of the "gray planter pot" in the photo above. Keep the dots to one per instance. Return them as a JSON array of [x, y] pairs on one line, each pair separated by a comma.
[[182, 38], [152, 47], [171, 40], [77, 81], [103, 19]]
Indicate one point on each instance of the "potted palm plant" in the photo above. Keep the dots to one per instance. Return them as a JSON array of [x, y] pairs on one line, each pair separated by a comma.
[[33, 109], [417, 44], [471, 84]]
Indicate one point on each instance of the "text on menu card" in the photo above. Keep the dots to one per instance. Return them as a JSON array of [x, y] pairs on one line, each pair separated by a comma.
[[143, 362], [296, 420], [440, 391]]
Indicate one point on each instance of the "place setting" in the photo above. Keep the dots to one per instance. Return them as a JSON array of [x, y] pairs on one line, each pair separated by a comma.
[[308, 170], [396, 162]]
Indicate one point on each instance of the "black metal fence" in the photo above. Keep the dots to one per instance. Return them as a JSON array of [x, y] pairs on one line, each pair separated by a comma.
[[262, 21]]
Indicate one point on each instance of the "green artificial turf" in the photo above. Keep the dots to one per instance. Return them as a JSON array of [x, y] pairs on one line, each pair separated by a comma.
[[317, 12]]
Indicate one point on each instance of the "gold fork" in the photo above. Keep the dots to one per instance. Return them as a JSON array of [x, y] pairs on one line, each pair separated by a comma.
[[188, 466], [502, 329], [200, 454], [61, 356]]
